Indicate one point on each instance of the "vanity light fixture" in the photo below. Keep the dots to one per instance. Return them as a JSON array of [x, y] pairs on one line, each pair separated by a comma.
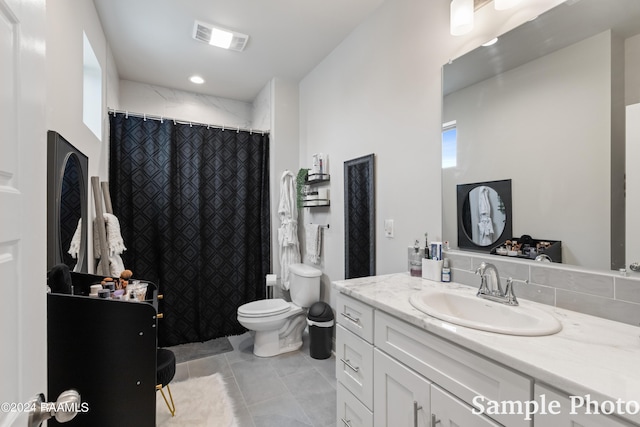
[[461, 16], [462, 13], [219, 37], [196, 79]]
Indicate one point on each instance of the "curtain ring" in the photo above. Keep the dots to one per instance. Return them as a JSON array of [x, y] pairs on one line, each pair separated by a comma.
[[126, 114], [161, 119], [144, 117]]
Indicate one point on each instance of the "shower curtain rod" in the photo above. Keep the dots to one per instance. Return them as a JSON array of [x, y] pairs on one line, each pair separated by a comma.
[[185, 122]]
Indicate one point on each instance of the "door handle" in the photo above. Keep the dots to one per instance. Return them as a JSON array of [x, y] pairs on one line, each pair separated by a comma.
[[434, 420], [63, 410]]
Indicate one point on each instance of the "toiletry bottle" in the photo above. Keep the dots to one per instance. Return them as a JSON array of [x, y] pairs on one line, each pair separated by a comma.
[[426, 246], [446, 271], [415, 261]]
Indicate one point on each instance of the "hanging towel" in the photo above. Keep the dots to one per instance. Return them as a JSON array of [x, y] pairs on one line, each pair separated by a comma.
[[116, 266], [115, 243], [485, 225], [288, 231], [314, 242], [74, 246]]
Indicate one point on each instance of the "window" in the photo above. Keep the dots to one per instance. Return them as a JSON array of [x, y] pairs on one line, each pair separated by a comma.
[[91, 89], [449, 145]]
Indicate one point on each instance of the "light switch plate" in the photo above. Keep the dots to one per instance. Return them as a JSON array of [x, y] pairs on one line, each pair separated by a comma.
[[388, 228]]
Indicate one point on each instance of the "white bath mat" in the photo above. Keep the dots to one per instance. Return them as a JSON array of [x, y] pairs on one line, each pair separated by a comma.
[[200, 402]]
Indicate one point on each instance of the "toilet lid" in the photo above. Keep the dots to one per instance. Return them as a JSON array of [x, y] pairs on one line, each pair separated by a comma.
[[264, 307]]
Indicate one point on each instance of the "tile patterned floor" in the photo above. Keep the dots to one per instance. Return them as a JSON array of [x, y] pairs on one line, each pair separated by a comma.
[[290, 390]]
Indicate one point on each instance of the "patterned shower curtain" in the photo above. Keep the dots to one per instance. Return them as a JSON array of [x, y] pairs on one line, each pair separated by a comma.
[[193, 205]]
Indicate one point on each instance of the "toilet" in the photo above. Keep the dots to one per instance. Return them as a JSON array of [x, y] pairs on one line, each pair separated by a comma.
[[278, 324]]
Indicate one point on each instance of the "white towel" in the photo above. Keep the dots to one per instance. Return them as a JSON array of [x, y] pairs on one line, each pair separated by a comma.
[[314, 242], [74, 246], [115, 244], [116, 266]]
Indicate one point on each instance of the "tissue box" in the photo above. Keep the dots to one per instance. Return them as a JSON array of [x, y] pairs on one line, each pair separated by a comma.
[[432, 269]]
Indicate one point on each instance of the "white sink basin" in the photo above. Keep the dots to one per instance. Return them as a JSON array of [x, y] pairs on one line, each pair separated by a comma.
[[474, 312]]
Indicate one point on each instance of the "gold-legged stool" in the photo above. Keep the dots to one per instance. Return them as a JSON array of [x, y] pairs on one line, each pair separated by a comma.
[[166, 370]]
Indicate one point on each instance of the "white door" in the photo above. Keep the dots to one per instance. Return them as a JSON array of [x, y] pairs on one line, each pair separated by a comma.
[[632, 228], [23, 211]]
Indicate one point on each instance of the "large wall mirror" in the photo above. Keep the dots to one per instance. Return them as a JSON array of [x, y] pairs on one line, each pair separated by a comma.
[[67, 174], [359, 217], [545, 108]]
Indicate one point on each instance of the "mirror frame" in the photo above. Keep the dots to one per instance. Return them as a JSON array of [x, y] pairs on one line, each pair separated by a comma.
[[357, 211], [503, 188], [59, 151]]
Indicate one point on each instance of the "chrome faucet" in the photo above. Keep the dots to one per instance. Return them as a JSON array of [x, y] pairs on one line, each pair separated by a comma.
[[492, 289]]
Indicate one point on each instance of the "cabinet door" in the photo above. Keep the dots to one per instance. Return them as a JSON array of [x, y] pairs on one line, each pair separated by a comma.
[[351, 412], [447, 411], [401, 396], [568, 416], [354, 365]]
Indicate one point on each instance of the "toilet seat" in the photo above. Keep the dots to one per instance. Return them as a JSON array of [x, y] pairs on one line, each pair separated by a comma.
[[264, 308]]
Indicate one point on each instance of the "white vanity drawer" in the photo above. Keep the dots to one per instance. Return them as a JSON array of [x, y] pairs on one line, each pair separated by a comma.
[[464, 374], [351, 412], [355, 316], [354, 365]]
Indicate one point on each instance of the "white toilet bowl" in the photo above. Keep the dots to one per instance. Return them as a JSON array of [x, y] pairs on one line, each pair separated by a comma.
[[278, 324]]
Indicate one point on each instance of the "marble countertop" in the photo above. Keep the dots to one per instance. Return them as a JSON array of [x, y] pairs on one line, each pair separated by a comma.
[[590, 355]]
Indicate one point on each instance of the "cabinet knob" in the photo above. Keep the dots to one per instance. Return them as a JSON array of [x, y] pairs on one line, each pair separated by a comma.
[[160, 296], [160, 315]]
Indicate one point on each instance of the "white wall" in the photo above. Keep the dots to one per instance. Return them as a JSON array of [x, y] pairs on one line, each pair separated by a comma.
[[66, 21], [154, 100], [632, 72], [560, 180], [380, 92]]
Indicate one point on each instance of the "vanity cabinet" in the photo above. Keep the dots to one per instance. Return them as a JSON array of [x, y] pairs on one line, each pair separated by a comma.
[[401, 397], [568, 416], [416, 374], [106, 350]]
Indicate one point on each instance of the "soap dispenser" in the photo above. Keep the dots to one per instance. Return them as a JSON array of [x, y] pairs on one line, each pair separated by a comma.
[[415, 261]]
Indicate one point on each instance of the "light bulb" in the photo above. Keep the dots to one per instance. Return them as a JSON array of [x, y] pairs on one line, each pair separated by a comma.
[[461, 17]]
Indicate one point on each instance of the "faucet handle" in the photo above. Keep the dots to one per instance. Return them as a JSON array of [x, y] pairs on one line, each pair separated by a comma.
[[508, 292]]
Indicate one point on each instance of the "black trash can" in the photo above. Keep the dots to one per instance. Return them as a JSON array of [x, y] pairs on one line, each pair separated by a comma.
[[320, 320]]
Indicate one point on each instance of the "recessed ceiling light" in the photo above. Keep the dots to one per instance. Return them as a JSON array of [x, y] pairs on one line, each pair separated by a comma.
[[490, 42], [196, 79]]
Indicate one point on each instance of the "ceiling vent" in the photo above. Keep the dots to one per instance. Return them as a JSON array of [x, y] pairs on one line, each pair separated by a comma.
[[220, 37]]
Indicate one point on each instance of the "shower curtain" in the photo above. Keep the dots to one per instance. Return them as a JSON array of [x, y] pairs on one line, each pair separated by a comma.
[[193, 205]]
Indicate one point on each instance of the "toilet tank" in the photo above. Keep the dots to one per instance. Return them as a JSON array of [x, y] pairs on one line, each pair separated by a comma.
[[304, 284]]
